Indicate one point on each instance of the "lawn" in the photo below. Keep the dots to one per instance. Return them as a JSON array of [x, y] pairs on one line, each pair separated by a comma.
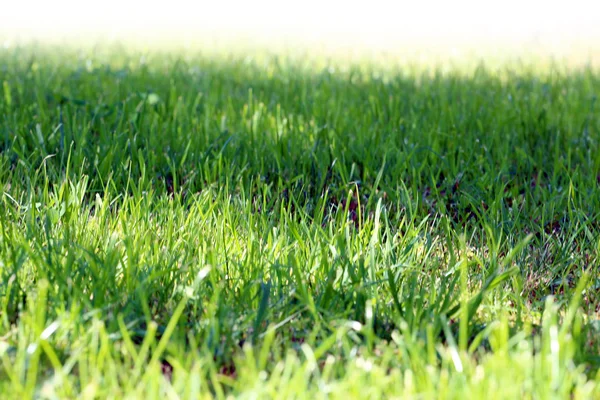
[[262, 225]]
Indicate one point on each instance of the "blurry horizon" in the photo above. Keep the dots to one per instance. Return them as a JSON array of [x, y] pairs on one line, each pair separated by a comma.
[[551, 26]]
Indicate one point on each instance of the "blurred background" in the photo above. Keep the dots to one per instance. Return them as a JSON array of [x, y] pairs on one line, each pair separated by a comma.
[[562, 28]]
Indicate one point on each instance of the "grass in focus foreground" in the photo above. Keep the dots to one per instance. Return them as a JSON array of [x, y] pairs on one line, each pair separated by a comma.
[[191, 226]]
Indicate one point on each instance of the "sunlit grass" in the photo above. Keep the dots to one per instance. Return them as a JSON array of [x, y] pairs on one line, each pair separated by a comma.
[[196, 225]]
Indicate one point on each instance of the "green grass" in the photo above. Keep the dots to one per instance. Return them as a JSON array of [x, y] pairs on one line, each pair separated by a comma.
[[188, 225]]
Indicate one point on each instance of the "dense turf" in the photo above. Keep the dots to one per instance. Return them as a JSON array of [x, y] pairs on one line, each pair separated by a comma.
[[195, 226]]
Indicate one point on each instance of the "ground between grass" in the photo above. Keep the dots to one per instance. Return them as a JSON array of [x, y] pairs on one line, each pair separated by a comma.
[[193, 226]]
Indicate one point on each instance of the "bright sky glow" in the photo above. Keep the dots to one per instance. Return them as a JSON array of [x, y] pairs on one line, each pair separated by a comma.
[[378, 23]]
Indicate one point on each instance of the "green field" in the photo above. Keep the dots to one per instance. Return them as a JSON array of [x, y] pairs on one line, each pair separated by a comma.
[[196, 225]]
